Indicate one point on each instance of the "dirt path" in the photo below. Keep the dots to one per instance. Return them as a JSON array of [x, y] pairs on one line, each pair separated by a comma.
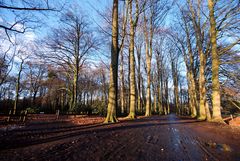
[[147, 139]]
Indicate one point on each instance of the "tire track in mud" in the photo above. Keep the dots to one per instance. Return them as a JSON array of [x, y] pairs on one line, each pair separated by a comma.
[[195, 141], [186, 142], [20, 139], [67, 144], [21, 133], [126, 144], [154, 138]]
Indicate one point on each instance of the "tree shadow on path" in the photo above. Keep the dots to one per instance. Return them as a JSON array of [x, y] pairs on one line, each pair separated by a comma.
[[76, 131]]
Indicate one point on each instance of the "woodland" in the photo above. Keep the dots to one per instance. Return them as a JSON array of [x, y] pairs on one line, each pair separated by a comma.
[[114, 80], [143, 57]]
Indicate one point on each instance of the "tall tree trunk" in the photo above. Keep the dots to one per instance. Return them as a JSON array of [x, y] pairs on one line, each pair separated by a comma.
[[133, 24], [192, 95], [139, 79], [104, 89], [122, 90], [155, 103], [143, 95], [162, 92], [17, 88], [202, 81], [175, 84], [148, 49], [75, 90], [122, 96], [159, 91], [192, 82], [216, 113], [148, 96], [167, 97], [132, 78], [190, 70], [113, 84], [208, 114], [202, 89], [166, 108]]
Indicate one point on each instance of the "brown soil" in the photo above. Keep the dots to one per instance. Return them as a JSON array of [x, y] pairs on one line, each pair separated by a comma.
[[145, 139]]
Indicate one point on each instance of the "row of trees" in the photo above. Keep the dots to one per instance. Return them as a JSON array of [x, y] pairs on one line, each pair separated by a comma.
[[48, 71], [179, 56], [200, 25]]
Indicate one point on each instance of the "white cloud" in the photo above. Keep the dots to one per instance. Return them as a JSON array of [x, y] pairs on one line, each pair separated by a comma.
[[1, 20], [19, 27], [30, 36]]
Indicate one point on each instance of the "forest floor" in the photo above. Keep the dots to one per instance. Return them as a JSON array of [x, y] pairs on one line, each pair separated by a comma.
[[144, 139]]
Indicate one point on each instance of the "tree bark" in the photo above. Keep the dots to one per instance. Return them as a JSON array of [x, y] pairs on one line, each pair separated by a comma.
[[139, 78], [175, 84], [122, 83], [113, 85], [133, 24], [202, 81], [122, 90], [148, 48], [216, 101]]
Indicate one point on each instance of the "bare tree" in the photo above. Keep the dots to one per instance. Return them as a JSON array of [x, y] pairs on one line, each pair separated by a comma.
[[69, 46], [23, 54], [154, 16], [35, 72], [6, 61], [133, 25], [23, 14]]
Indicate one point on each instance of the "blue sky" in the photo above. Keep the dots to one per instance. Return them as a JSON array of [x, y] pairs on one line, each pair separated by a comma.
[[88, 7], [50, 19]]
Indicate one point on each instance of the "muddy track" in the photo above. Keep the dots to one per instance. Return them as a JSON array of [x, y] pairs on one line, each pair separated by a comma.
[[154, 138]]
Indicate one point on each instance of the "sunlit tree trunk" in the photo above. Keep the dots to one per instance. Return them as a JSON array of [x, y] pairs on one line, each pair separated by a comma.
[[216, 101], [192, 83], [202, 81], [148, 96], [208, 114], [133, 24], [192, 96], [113, 84], [202, 89], [122, 96], [189, 62], [132, 77], [122, 84], [122, 90], [148, 48]]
